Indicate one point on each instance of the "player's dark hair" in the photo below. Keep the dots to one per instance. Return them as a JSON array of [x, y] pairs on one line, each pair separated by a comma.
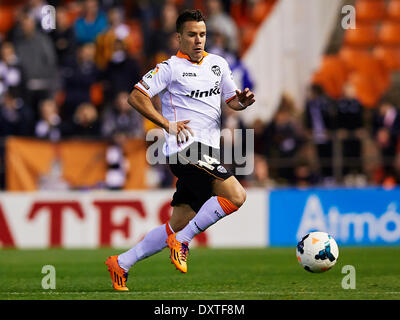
[[188, 15]]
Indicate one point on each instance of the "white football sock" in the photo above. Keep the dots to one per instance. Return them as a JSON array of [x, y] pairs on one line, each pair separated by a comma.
[[152, 243], [209, 213]]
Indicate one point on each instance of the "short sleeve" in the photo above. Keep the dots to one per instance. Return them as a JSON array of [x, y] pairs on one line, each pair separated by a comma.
[[156, 80], [228, 85]]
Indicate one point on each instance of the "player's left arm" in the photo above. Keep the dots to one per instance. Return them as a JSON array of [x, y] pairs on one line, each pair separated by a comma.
[[233, 97], [242, 100]]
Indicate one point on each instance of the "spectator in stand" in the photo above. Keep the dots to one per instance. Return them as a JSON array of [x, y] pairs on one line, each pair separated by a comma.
[[260, 137], [172, 49], [234, 139], [63, 37], [319, 120], [219, 45], [16, 118], [350, 123], [122, 72], [116, 31], [260, 177], [85, 123], [386, 130], [107, 5], [10, 70], [284, 139], [120, 122], [239, 71], [38, 61], [78, 77], [92, 22], [219, 21], [35, 9], [120, 118], [304, 176], [49, 125], [117, 167], [240, 74], [147, 12], [162, 36]]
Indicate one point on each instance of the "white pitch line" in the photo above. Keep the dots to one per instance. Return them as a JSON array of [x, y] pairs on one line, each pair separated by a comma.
[[179, 292]]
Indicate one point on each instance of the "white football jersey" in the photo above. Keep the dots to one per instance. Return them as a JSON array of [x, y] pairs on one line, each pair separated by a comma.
[[191, 91]]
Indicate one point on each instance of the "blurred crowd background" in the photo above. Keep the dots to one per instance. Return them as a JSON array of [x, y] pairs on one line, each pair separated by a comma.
[[73, 82]]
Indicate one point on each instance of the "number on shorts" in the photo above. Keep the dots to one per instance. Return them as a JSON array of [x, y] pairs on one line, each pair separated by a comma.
[[209, 162]]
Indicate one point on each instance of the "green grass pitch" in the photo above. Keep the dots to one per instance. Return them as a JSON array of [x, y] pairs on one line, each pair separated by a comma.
[[220, 274]]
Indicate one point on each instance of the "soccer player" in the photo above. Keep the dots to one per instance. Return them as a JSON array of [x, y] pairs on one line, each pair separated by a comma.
[[190, 85]]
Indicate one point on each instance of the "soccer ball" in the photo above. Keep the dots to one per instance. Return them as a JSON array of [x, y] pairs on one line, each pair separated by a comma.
[[317, 252]]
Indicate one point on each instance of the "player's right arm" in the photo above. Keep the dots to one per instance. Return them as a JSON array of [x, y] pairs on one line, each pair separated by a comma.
[[140, 99], [145, 107]]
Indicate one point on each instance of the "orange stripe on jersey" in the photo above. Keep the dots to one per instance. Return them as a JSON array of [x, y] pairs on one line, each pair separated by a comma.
[[168, 229], [141, 90], [227, 205], [230, 99], [185, 56]]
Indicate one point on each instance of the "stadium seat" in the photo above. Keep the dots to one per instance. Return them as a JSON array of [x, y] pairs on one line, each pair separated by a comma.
[[365, 35], [362, 61], [389, 33], [247, 35], [6, 18], [136, 37], [366, 89], [390, 56], [74, 11], [200, 5], [331, 75], [59, 97], [96, 93], [370, 10], [261, 10], [393, 10], [239, 13], [350, 55]]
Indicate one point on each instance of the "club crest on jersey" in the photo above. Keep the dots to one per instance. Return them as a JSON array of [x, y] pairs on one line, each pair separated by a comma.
[[216, 70], [205, 93]]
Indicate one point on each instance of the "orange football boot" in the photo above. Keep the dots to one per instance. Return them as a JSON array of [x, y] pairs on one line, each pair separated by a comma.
[[179, 252], [118, 275]]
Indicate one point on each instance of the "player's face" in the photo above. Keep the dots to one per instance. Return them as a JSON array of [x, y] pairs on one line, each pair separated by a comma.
[[193, 39]]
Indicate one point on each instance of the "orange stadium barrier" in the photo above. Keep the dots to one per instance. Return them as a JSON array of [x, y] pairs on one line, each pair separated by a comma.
[[83, 163]]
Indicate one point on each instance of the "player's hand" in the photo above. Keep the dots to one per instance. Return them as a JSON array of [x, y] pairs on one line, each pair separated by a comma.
[[181, 130], [245, 97]]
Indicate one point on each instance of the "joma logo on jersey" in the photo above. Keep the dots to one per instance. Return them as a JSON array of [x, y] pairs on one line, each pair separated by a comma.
[[189, 74], [205, 94]]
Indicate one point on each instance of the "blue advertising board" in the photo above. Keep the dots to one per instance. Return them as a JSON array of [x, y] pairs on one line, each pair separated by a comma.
[[368, 216]]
